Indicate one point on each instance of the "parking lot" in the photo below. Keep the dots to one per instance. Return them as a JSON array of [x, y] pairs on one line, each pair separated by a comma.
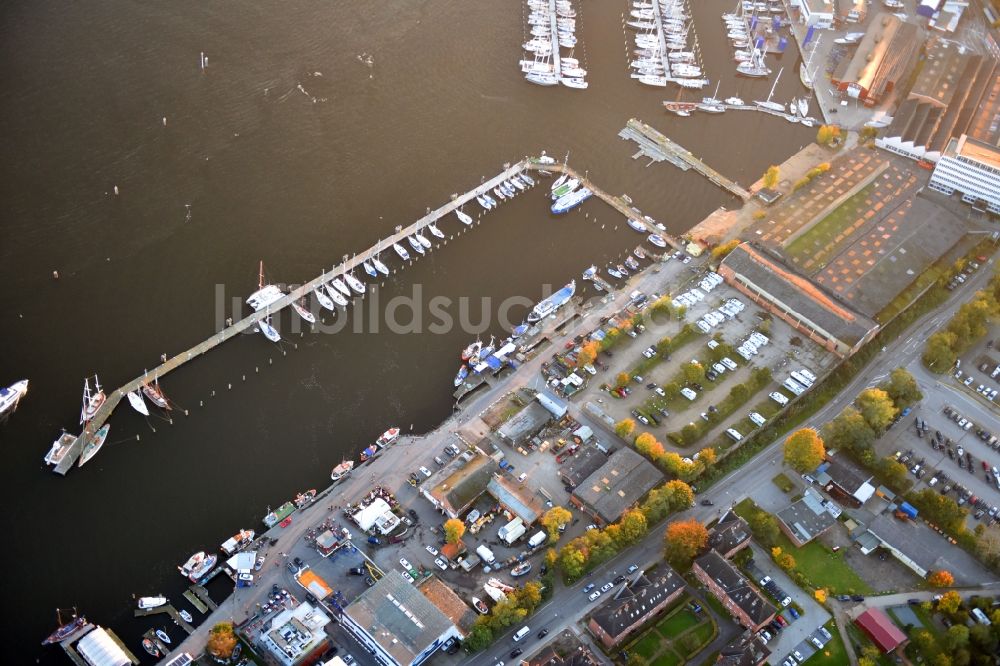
[[732, 338]]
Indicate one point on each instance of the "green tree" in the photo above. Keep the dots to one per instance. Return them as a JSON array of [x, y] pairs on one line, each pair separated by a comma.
[[633, 526], [764, 527], [693, 372], [949, 603], [771, 176], [553, 518], [956, 637], [663, 346], [453, 530], [690, 433], [625, 428], [940, 354], [804, 450], [572, 561], [739, 393], [876, 407], [683, 541], [894, 474], [480, 636], [983, 638], [672, 496], [902, 388], [849, 430]]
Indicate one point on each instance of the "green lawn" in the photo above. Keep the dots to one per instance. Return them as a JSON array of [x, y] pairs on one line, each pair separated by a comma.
[[817, 563], [833, 653], [704, 633], [784, 483], [647, 646], [677, 623], [668, 658]]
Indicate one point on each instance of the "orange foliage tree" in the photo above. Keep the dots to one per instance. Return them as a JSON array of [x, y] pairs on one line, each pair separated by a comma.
[[941, 578], [683, 541]]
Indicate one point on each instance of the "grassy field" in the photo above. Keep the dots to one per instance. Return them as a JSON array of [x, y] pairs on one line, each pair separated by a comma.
[[784, 483], [675, 637], [833, 653], [677, 624], [815, 242], [817, 563]]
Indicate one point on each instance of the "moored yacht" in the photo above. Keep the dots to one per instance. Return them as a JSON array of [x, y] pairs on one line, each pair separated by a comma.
[[339, 285], [92, 401], [354, 283], [341, 470], [571, 200], [197, 566], [151, 602], [10, 396], [415, 244], [93, 444], [431, 227], [401, 251], [335, 295], [464, 217]]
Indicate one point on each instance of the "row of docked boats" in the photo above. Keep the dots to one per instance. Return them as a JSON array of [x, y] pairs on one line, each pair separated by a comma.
[[542, 62], [747, 49], [797, 110], [508, 189], [666, 46]]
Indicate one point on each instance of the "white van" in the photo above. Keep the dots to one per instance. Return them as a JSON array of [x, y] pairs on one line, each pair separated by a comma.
[[688, 393], [521, 633]]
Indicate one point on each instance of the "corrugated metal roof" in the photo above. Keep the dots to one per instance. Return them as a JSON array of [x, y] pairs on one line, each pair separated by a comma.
[[99, 649]]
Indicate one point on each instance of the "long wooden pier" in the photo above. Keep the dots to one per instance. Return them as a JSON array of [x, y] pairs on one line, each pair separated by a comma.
[[554, 36], [659, 148], [115, 396]]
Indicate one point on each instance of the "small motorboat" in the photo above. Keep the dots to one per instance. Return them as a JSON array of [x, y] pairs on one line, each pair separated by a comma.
[[464, 217], [379, 266], [307, 316], [435, 231], [637, 225], [422, 240], [471, 350], [369, 269], [302, 499], [388, 437], [463, 372], [657, 240], [639, 252], [613, 272], [152, 602], [150, 647], [138, 404], [631, 263], [521, 569], [480, 607], [162, 635], [590, 273], [621, 269], [341, 470], [401, 251], [186, 616], [416, 245], [259, 564], [519, 330], [559, 181]]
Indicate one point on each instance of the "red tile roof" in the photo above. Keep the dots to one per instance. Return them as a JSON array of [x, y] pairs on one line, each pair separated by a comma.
[[881, 629]]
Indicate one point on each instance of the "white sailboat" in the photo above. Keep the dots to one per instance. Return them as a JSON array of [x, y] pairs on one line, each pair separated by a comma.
[[269, 331], [768, 104], [367, 265], [339, 285], [401, 251], [379, 266], [464, 217], [335, 295], [416, 245], [301, 311], [354, 283], [138, 404], [437, 233], [321, 296], [422, 240]]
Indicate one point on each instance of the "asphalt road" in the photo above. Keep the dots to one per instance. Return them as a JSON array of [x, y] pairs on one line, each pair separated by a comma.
[[568, 604]]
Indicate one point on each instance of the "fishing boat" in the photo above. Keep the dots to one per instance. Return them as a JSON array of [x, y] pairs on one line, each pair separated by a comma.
[[354, 283], [150, 647], [388, 437], [367, 265], [162, 635], [152, 602], [197, 566], [339, 285], [471, 350], [463, 372], [65, 629], [60, 448], [639, 252], [91, 401], [186, 616], [10, 396], [480, 607], [521, 569], [614, 272], [549, 305], [590, 273], [571, 200], [274, 517], [379, 266], [401, 251], [657, 240], [302, 499], [335, 295], [307, 316], [435, 231], [415, 244], [423, 240], [768, 104], [637, 225], [238, 541], [368, 453], [138, 404], [482, 353], [482, 202], [94, 444], [269, 331], [342, 470]]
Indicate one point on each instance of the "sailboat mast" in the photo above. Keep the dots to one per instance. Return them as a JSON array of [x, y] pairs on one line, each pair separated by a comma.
[[770, 94], [261, 283]]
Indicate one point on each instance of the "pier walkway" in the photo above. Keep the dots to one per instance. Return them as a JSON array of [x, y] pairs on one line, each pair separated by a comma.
[[554, 36], [659, 148], [168, 610], [237, 328]]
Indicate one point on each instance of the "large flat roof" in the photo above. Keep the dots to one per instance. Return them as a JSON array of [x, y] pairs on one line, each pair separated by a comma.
[[618, 484], [771, 277]]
